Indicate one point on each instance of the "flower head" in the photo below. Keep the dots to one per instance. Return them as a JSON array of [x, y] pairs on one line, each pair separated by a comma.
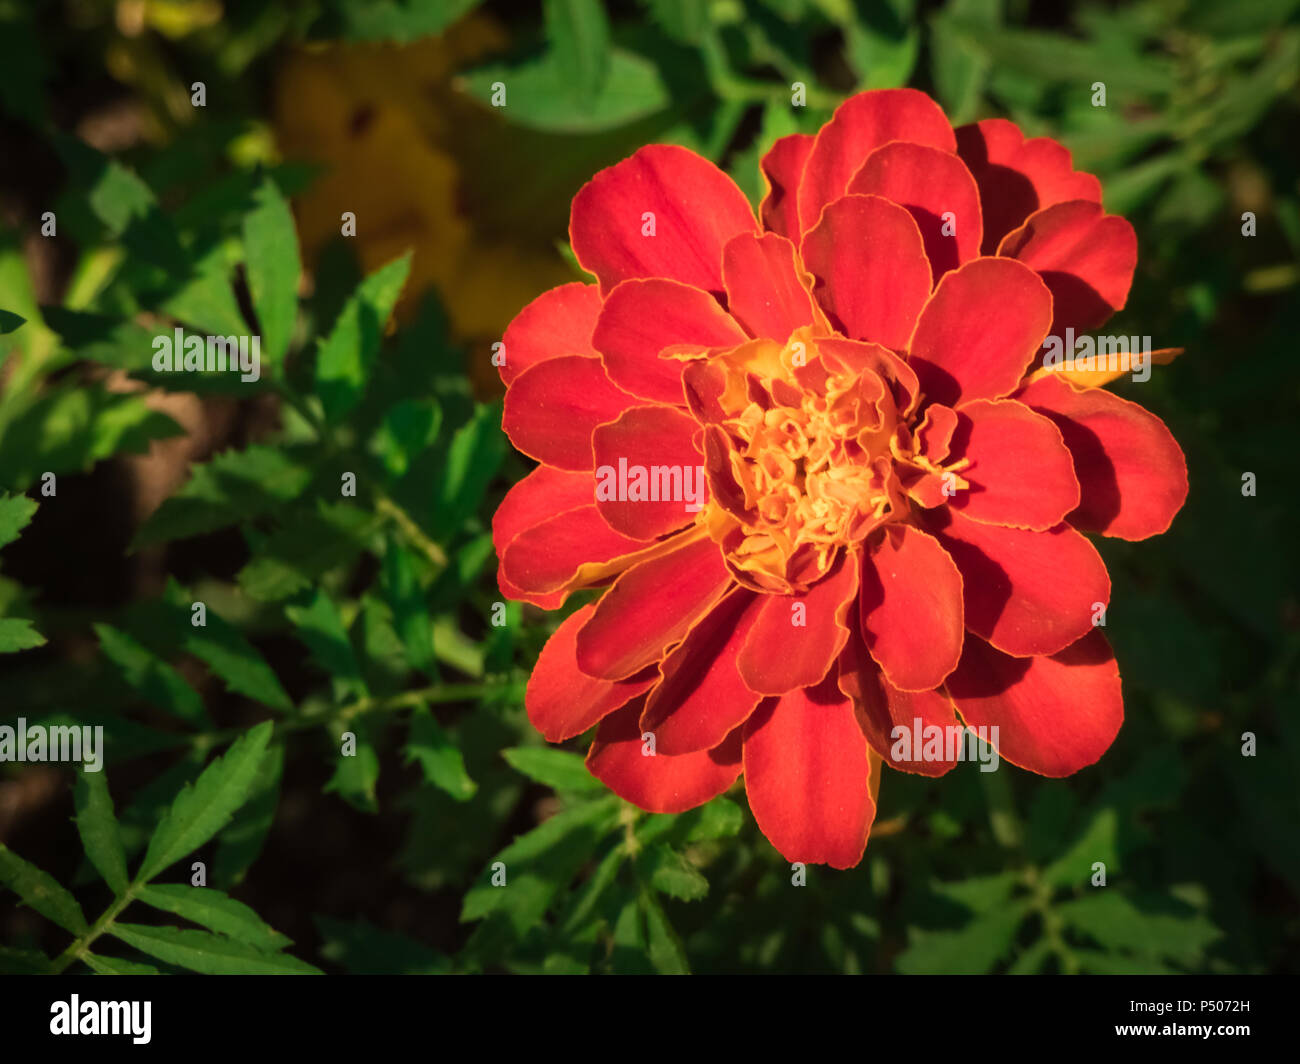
[[816, 462]]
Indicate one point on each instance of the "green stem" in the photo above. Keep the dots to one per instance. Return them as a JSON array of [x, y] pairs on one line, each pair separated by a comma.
[[387, 507], [80, 946]]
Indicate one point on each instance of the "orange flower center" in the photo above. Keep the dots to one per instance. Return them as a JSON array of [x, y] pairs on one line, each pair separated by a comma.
[[800, 451]]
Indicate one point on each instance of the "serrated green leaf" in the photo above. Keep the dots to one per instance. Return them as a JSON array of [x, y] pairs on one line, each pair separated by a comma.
[[1099, 842], [217, 912], [41, 891], [271, 254], [17, 634], [410, 605], [202, 951], [439, 758], [16, 512], [97, 825], [201, 810], [234, 659], [231, 488], [158, 683], [356, 774], [539, 863], [662, 943], [559, 769], [476, 452], [101, 965], [407, 428], [538, 96], [308, 544], [320, 626], [346, 356], [720, 818], [973, 950], [241, 842], [674, 875], [1178, 934]]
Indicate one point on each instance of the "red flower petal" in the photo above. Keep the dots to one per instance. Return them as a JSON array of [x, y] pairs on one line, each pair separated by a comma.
[[561, 700], [1084, 256], [658, 440], [551, 556], [542, 494], [796, 638], [881, 708], [980, 330], [553, 406], [659, 783], [929, 183], [702, 697], [807, 776], [696, 208], [859, 126], [765, 287], [1055, 714], [911, 608], [1017, 177], [641, 318], [650, 607], [1020, 471], [558, 322], [1132, 473], [1026, 592], [872, 274], [782, 168]]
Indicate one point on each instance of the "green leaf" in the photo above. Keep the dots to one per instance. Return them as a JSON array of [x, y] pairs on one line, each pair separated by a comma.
[[538, 94], [307, 545], [579, 34], [356, 775], [347, 355], [71, 428], [1097, 843], [206, 302], [553, 768], [391, 20], [407, 428], [16, 513], [158, 683], [884, 44], [410, 605], [233, 658], [720, 818], [41, 891], [97, 825], [682, 20], [363, 949], [202, 951], [217, 912], [232, 488], [674, 875], [17, 634], [973, 950], [476, 452], [439, 758], [271, 251], [201, 810], [663, 945], [23, 962], [101, 965], [1178, 934], [9, 321], [320, 626], [539, 863], [242, 841]]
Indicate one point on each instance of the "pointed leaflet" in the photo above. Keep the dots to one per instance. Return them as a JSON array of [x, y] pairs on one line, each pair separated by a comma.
[[347, 354], [216, 911], [41, 891], [439, 757], [15, 514], [201, 810], [157, 682], [271, 259], [320, 626], [97, 825], [557, 769], [233, 658], [201, 951]]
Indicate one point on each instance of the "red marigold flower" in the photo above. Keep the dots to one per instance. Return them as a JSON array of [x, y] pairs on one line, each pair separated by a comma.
[[818, 466]]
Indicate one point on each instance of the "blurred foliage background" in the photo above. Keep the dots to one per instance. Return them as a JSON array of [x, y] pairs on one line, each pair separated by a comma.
[[328, 613]]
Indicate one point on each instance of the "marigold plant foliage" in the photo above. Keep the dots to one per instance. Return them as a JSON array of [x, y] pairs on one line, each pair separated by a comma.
[[896, 488]]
